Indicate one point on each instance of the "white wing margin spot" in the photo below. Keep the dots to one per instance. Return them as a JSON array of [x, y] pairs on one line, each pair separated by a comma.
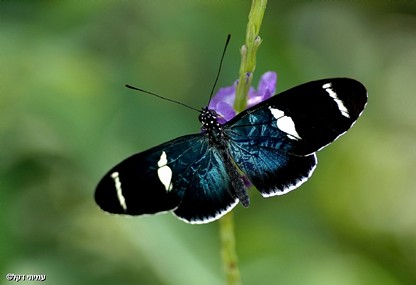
[[341, 107], [117, 183]]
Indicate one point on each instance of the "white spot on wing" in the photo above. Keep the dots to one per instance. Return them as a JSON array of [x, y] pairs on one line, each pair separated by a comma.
[[164, 172], [285, 124], [277, 113], [333, 95], [116, 178]]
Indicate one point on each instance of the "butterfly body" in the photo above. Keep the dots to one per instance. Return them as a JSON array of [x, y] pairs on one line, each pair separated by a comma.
[[199, 177], [218, 138]]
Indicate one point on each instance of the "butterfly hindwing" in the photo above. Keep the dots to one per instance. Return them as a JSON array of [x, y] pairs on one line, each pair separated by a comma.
[[184, 175], [209, 193], [264, 153]]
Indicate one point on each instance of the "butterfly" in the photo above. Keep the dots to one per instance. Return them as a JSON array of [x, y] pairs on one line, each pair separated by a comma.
[[199, 177]]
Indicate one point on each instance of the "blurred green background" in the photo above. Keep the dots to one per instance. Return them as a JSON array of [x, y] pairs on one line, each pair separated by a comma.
[[66, 118]]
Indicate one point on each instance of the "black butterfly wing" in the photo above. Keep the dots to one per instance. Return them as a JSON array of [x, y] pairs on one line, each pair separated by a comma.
[[274, 142], [145, 183], [184, 175], [320, 110], [265, 154], [209, 192]]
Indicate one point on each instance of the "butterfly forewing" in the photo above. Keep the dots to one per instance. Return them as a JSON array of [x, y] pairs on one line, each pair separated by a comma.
[[319, 111], [151, 181]]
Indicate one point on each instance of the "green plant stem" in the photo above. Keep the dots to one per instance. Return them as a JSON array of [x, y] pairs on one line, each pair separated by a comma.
[[248, 53], [247, 67], [228, 252]]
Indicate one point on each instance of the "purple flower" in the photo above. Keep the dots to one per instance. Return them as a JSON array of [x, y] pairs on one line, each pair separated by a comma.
[[223, 101]]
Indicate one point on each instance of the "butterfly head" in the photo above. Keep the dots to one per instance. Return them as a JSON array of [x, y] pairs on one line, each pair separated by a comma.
[[210, 124]]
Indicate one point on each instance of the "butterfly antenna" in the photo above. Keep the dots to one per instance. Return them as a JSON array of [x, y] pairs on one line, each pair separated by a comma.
[[219, 68], [161, 97]]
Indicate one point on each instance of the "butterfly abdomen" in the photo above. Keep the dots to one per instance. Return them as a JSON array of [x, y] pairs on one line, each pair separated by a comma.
[[236, 180]]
